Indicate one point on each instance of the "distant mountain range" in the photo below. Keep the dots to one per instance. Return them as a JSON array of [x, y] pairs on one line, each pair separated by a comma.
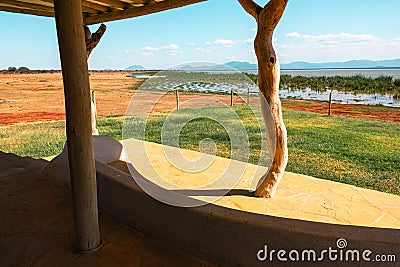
[[241, 65], [204, 67], [299, 65], [207, 67], [135, 67], [352, 64]]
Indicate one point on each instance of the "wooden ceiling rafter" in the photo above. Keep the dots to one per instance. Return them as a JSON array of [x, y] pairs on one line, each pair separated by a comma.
[[97, 11]]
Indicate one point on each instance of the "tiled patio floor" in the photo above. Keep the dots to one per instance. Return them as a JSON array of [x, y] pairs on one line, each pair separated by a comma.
[[36, 226]]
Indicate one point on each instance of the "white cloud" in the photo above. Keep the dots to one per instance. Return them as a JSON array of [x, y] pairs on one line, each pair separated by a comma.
[[208, 43], [170, 47], [395, 42], [319, 51], [165, 47], [248, 41], [109, 57], [201, 50], [253, 29], [150, 48], [334, 38], [190, 43], [174, 52], [285, 46], [392, 44], [147, 54], [225, 42], [127, 51], [293, 34]]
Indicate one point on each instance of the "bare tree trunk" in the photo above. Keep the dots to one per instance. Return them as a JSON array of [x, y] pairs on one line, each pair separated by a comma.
[[92, 41], [268, 81], [93, 110]]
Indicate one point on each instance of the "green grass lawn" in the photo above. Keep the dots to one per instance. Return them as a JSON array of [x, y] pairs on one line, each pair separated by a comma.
[[360, 152]]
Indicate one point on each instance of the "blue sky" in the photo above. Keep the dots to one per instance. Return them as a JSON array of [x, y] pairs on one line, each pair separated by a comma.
[[217, 31]]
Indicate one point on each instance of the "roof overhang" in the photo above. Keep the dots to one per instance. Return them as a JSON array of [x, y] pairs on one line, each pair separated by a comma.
[[97, 11]]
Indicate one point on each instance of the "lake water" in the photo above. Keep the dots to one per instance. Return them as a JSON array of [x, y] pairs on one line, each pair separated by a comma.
[[218, 82], [369, 73], [342, 97]]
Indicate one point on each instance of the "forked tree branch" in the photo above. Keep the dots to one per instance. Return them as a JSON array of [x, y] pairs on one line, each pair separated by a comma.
[[272, 12], [251, 7], [93, 39]]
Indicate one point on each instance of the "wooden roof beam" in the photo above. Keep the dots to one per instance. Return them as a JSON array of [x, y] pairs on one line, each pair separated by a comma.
[[27, 5], [25, 11], [87, 7], [100, 8], [137, 11], [114, 3]]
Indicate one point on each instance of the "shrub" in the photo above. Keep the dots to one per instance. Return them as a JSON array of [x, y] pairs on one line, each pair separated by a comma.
[[23, 69], [12, 69]]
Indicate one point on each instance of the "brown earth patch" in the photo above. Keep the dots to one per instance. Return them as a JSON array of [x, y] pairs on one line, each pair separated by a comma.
[[347, 110]]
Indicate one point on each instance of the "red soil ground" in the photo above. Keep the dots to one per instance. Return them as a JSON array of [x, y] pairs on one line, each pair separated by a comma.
[[39, 97], [354, 111]]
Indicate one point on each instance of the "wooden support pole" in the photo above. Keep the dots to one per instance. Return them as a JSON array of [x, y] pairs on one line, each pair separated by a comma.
[[330, 103], [248, 95], [74, 65], [231, 97], [177, 99]]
